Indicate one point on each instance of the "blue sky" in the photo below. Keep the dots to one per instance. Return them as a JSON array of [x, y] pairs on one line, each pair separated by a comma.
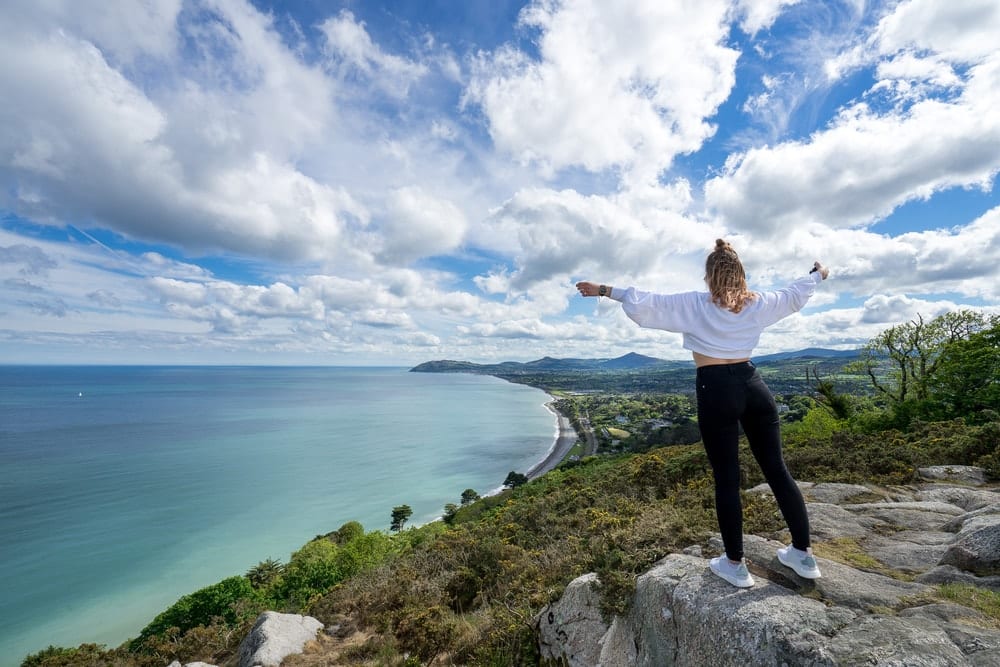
[[306, 182]]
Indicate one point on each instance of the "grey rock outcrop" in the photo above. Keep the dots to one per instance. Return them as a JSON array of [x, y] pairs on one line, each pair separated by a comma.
[[964, 497], [569, 626], [827, 521], [947, 574], [977, 546], [276, 636], [836, 493], [911, 552], [962, 474], [869, 613]]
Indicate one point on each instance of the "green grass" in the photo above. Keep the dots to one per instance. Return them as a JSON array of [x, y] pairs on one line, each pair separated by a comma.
[[980, 599]]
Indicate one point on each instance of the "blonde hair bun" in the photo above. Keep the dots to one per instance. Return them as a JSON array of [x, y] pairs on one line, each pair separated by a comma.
[[727, 281], [724, 246]]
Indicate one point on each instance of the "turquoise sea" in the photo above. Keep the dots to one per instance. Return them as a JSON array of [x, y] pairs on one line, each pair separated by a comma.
[[123, 488]]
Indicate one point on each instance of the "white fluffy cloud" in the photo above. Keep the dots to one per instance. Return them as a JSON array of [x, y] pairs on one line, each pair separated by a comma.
[[124, 31], [625, 84], [211, 157], [867, 163], [962, 260], [959, 32], [82, 141], [756, 15], [871, 158], [349, 45], [418, 224], [563, 234]]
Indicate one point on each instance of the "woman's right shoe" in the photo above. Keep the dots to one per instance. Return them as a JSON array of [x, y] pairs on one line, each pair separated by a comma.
[[801, 561]]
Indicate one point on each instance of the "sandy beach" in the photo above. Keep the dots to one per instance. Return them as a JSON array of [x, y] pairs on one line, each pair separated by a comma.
[[564, 441]]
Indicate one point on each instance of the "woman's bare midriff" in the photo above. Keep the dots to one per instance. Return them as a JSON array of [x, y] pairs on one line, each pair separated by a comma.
[[705, 360]]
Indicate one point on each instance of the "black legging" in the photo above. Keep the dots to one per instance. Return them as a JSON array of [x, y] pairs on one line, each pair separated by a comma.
[[730, 395]]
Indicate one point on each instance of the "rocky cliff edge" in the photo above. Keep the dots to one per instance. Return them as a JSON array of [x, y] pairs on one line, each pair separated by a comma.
[[879, 601]]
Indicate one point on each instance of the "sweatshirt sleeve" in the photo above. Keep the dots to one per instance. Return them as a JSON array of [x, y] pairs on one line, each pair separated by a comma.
[[670, 312], [783, 302]]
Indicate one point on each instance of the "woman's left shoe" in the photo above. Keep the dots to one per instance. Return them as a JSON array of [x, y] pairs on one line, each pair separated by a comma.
[[738, 575]]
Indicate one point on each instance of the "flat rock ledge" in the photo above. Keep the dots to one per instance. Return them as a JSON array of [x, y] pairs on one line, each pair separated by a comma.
[[963, 474], [883, 611]]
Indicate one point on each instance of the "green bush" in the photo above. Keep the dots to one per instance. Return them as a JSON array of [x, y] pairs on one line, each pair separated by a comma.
[[818, 422], [265, 572], [233, 600], [322, 563], [364, 552], [56, 656], [892, 456], [312, 570], [349, 531]]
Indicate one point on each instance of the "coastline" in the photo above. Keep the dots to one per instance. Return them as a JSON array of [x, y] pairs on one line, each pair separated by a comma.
[[566, 437]]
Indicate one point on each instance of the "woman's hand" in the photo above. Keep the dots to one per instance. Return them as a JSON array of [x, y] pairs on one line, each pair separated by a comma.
[[823, 271], [588, 288]]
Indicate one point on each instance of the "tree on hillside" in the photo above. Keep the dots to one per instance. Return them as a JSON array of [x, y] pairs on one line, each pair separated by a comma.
[[838, 404], [967, 380], [901, 360], [514, 480], [349, 531], [264, 572], [798, 406], [469, 496], [400, 515]]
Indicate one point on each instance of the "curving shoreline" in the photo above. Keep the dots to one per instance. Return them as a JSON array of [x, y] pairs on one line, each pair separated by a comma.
[[565, 439]]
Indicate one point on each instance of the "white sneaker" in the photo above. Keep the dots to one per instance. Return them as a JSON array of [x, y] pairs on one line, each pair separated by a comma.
[[801, 561], [737, 575]]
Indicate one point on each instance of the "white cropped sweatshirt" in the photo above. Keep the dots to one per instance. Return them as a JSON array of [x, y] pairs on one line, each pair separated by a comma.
[[709, 329]]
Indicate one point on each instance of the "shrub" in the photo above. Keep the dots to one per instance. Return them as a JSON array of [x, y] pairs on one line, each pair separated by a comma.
[[265, 572], [312, 570], [56, 656], [208, 643], [232, 600], [363, 552], [322, 564], [426, 631], [348, 532]]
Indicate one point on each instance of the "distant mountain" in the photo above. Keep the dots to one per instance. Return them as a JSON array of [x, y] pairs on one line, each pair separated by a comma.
[[552, 364], [447, 366], [628, 362], [633, 360], [809, 353]]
